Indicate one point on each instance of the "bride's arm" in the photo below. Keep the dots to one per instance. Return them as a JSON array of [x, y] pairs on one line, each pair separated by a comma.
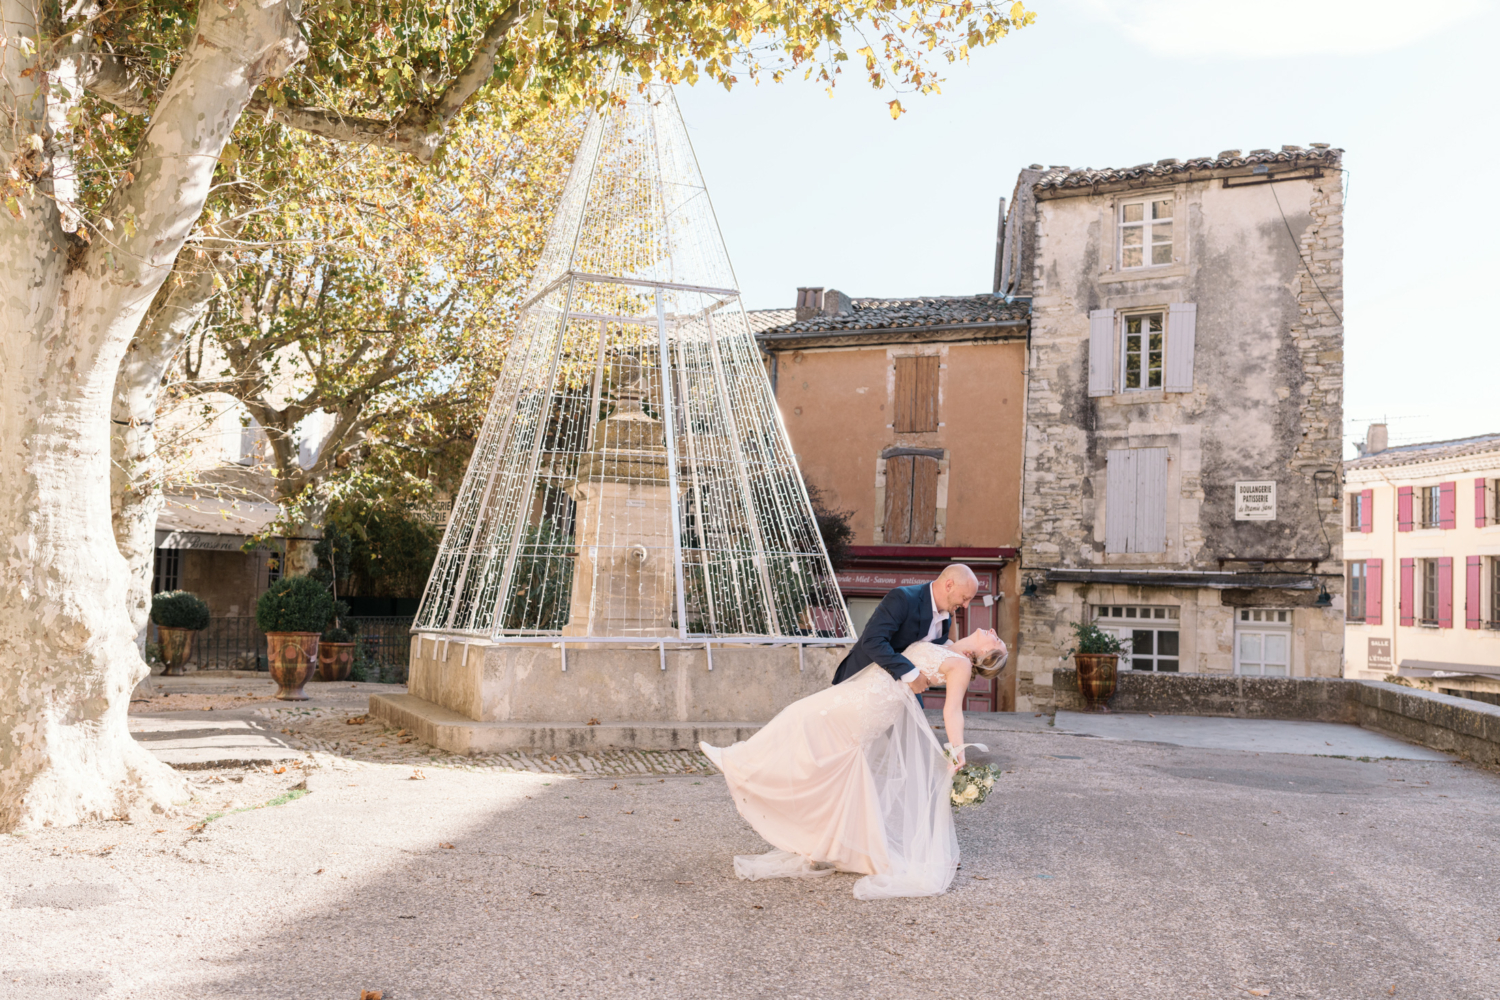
[[957, 672]]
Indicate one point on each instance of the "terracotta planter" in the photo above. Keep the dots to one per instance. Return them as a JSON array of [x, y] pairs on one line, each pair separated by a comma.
[[176, 648], [293, 657], [1096, 678], [335, 660]]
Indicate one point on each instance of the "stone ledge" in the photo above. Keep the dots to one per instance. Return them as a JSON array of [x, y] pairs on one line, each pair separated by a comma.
[[456, 733], [1439, 721]]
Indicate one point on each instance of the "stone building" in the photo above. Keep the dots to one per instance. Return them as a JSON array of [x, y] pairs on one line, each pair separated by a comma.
[[1183, 411], [1422, 551], [907, 412]]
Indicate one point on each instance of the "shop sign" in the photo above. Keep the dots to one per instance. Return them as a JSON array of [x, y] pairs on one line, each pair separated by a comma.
[[1379, 653], [877, 579], [1255, 501]]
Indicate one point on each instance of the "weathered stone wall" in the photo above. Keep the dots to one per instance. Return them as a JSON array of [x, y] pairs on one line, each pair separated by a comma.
[[1266, 405]]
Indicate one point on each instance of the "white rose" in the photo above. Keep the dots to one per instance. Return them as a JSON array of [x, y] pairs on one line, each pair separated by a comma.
[[971, 794]]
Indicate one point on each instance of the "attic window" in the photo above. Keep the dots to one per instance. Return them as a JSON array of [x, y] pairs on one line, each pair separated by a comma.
[[1146, 228]]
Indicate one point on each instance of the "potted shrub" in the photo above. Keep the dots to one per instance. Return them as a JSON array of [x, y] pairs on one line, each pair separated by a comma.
[[336, 648], [293, 614], [177, 614], [1097, 656]]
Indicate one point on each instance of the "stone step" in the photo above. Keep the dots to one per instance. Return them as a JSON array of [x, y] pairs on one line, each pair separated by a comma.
[[457, 733]]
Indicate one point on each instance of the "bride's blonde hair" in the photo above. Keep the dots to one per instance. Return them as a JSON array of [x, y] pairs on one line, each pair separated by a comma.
[[988, 665]]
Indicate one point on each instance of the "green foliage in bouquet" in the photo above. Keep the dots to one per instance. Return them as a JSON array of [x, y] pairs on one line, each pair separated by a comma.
[[1093, 640], [972, 784], [294, 604], [179, 609]]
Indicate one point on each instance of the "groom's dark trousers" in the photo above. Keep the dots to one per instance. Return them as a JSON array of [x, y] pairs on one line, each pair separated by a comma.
[[902, 618]]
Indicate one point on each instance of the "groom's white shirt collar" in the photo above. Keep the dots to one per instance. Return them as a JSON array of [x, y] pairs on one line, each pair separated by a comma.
[[933, 631]]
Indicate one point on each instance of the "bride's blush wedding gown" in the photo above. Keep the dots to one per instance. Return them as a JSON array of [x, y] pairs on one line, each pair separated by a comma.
[[853, 778]]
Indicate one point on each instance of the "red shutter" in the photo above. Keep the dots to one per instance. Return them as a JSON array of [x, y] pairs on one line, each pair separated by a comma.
[[1408, 591], [1367, 511], [1373, 595], [1448, 505], [1403, 511], [1481, 498], [1445, 592], [1473, 606]]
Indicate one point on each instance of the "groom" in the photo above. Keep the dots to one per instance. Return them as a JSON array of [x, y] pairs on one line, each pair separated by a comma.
[[907, 615]]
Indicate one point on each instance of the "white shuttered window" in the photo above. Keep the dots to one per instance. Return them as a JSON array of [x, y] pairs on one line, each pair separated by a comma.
[[1135, 500], [1131, 351]]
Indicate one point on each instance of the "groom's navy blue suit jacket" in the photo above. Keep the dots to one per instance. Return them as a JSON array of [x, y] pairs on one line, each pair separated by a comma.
[[902, 618]]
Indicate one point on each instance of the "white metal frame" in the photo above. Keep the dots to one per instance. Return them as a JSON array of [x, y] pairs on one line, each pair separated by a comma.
[[1148, 226], [1123, 319]]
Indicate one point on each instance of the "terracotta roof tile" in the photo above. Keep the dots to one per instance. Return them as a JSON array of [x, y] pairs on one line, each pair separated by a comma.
[[1320, 154], [892, 314], [1428, 451]]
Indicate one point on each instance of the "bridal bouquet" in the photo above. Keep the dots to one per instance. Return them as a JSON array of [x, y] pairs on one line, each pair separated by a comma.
[[972, 782]]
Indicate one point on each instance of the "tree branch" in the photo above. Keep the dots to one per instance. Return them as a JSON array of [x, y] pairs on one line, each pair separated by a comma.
[[418, 129], [112, 78]]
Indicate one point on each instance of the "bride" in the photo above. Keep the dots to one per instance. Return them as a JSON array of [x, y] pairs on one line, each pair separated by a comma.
[[852, 779]]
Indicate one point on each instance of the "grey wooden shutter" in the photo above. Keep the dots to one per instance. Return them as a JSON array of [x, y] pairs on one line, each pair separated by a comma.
[[1150, 534], [1102, 352], [1119, 500], [1182, 331]]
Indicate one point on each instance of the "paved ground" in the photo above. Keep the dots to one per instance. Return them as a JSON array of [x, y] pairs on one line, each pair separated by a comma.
[[1104, 868]]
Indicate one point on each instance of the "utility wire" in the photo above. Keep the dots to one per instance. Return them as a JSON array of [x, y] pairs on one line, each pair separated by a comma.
[[1298, 247]]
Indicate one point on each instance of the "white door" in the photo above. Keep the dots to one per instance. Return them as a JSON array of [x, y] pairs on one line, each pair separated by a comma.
[[1263, 643]]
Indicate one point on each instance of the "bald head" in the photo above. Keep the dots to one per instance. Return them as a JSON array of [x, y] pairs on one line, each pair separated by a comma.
[[955, 587]]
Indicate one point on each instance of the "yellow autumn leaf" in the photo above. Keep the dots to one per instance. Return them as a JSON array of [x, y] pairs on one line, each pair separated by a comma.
[[896, 109]]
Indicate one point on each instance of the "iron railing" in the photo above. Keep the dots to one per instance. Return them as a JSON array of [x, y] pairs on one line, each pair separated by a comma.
[[234, 642]]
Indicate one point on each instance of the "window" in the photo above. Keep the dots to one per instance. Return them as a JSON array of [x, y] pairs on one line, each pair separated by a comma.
[[1135, 501], [1362, 511], [1146, 233], [1151, 634], [911, 496], [1494, 608], [916, 394], [1263, 642], [1144, 349], [1428, 569], [167, 573], [1355, 592], [1432, 507]]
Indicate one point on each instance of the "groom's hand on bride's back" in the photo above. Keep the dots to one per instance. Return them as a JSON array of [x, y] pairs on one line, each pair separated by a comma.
[[918, 684]]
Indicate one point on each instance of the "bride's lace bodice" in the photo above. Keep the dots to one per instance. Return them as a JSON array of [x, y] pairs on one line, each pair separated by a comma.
[[928, 657]]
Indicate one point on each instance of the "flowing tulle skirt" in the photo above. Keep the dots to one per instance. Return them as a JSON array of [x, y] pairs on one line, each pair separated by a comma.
[[850, 778]]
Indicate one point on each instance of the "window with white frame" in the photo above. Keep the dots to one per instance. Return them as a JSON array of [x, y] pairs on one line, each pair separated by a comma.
[[1144, 350], [1146, 233], [1263, 642], [1355, 609], [1151, 634]]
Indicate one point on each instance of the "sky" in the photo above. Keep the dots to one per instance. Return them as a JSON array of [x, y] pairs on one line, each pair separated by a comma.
[[812, 190]]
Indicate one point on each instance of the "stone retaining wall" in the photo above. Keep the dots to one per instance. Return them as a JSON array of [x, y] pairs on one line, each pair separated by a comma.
[[1454, 725]]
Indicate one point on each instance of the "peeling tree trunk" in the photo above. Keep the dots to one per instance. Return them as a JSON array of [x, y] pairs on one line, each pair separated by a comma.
[[136, 469], [67, 658]]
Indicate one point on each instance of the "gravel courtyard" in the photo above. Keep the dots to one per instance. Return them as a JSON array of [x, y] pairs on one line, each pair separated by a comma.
[[1103, 868]]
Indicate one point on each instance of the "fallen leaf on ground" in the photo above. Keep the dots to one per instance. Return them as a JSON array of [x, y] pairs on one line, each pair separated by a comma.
[[1391, 991], [278, 770], [1181, 833], [676, 821], [371, 994], [592, 722], [636, 917], [357, 720], [161, 831], [982, 878], [405, 739], [1259, 993], [583, 816], [402, 732], [318, 872], [627, 812], [757, 906], [614, 786], [417, 775], [553, 757], [535, 893], [684, 883]]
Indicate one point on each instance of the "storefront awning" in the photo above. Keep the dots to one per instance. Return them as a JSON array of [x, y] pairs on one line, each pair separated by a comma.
[[211, 522]]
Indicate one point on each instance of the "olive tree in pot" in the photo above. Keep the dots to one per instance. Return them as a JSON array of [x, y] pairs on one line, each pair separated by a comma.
[[293, 614], [1097, 656], [177, 614]]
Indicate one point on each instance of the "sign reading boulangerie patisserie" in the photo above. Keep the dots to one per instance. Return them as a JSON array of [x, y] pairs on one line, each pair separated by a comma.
[[1255, 501]]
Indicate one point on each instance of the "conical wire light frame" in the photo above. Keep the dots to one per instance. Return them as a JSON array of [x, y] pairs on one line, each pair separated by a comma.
[[633, 479]]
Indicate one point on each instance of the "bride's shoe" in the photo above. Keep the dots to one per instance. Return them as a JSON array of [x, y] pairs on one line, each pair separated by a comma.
[[714, 754]]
